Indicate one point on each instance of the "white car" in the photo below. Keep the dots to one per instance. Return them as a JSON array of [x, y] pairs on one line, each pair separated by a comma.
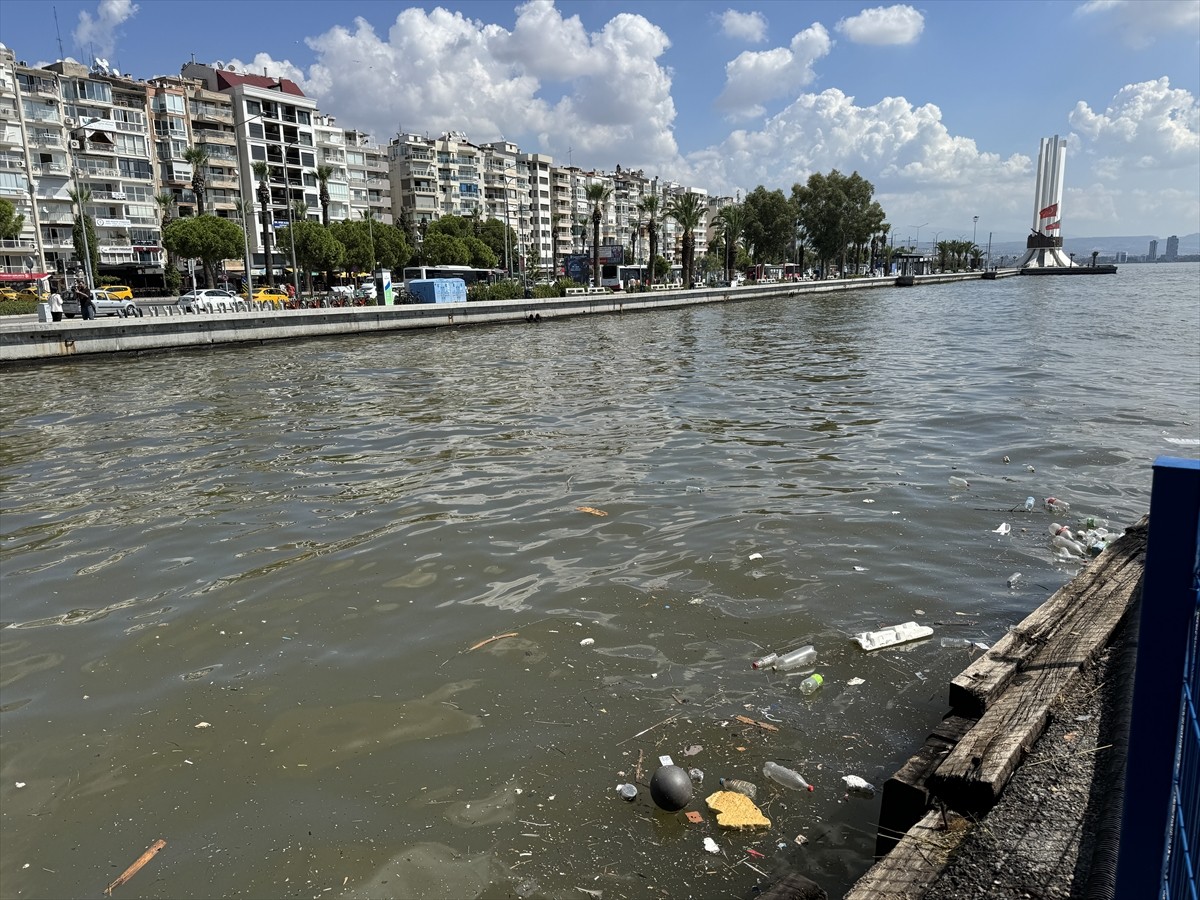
[[106, 305], [205, 299]]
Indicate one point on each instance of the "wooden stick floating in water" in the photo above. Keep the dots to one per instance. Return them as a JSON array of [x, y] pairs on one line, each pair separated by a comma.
[[136, 867], [494, 637]]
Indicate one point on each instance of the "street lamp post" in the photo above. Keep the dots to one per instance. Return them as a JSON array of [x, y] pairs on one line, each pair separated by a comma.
[[246, 212], [974, 231], [917, 243], [933, 244]]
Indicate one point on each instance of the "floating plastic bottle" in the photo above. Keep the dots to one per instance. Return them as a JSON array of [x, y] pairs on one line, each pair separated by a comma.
[[1055, 505], [957, 482], [1065, 543], [1057, 530], [810, 684], [741, 787], [785, 776], [1013, 579], [1028, 504], [794, 659], [859, 786], [955, 643], [764, 661]]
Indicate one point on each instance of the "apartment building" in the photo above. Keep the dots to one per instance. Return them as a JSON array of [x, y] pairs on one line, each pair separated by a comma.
[[275, 125], [34, 167], [107, 118], [367, 174]]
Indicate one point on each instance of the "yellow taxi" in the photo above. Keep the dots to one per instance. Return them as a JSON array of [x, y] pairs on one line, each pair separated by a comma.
[[120, 291], [269, 295], [7, 293]]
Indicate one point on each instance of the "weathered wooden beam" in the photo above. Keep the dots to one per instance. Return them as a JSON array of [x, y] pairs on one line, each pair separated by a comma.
[[905, 795], [975, 773], [977, 686], [916, 862], [794, 886]]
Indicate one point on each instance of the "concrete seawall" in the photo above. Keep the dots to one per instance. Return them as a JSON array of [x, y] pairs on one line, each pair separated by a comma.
[[33, 341]]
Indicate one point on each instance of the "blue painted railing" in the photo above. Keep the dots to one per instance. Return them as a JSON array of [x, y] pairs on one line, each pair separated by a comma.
[[1159, 853]]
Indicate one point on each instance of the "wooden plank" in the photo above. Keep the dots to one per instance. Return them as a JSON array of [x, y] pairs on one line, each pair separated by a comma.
[[918, 860], [976, 771], [977, 686], [905, 795]]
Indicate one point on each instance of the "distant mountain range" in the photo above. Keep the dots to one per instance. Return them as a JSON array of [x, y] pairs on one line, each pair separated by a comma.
[[1134, 245]]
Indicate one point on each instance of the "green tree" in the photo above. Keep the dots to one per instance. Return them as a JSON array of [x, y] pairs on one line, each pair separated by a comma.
[[324, 173], [316, 247], [499, 238], [649, 206], [441, 249], [598, 195], [770, 224], [732, 222], [197, 157], [172, 278], [11, 222], [208, 238], [81, 198], [688, 210], [262, 172]]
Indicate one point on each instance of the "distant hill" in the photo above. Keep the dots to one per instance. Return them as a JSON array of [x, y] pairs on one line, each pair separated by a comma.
[[1134, 245]]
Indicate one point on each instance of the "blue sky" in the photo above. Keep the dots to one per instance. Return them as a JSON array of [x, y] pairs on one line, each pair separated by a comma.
[[940, 105]]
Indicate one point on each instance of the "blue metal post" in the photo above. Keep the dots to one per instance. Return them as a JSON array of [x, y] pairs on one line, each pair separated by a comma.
[[1168, 607]]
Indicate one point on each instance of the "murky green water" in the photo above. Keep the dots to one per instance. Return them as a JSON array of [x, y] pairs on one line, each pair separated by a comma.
[[240, 587]]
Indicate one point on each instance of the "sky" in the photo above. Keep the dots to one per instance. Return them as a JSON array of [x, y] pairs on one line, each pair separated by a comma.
[[940, 105]]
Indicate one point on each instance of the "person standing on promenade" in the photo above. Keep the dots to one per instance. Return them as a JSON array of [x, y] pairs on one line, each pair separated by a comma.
[[87, 309], [56, 309]]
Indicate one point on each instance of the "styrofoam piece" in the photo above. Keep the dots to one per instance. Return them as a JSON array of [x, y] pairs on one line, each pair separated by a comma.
[[889, 637]]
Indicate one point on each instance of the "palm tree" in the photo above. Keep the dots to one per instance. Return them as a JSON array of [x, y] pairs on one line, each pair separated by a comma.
[[688, 210], [83, 234], [598, 195], [198, 158], [324, 173], [166, 205], [648, 206], [733, 221], [262, 171]]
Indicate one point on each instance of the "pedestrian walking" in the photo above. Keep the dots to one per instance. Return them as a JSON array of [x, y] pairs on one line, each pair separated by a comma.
[[56, 309]]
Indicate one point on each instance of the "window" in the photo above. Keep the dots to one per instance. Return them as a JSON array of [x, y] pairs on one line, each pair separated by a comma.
[[88, 90], [304, 118], [253, 108], [134, 168], [258, 151], [308, 159], [256, 130]]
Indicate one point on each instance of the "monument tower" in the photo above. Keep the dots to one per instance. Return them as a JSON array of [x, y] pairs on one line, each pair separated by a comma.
[[1044, 246]]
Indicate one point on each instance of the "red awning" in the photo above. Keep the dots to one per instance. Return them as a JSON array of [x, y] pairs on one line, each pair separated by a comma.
[[22, 276]]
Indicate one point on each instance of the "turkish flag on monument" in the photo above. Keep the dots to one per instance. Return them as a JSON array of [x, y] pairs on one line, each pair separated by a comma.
[[1049, 212], [1052, 226]]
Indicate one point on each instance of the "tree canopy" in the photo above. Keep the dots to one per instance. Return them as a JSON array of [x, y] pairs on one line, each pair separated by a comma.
[[209, 238]]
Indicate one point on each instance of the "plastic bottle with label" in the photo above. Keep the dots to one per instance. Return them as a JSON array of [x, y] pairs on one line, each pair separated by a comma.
[[794, 659], [810, 684], [960, 483], [1053, 504], [1028, 504], [785, 776], [764, 661]]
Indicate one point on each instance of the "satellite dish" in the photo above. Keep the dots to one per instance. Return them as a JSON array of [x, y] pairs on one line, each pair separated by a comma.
[[219, 64], [230, 68], [117, 72]]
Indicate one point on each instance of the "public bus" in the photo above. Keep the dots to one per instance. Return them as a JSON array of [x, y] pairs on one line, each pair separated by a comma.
[[621, 278], [466, 273], [769, 272]]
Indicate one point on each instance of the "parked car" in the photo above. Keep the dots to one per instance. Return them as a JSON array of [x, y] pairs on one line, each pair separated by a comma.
[[106, 305], [7, 293], [120, 291], [268, 295], [205, 299]]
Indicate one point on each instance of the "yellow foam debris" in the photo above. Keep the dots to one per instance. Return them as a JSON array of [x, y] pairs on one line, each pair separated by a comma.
[[736, 810]]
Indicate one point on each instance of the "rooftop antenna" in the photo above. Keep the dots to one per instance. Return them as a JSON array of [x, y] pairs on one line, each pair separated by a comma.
[[58, 33]]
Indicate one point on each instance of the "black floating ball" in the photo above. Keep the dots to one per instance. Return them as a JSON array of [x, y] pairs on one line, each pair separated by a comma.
[[671, 788]]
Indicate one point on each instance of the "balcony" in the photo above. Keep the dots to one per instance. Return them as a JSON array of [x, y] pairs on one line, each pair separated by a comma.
[[213, 136]]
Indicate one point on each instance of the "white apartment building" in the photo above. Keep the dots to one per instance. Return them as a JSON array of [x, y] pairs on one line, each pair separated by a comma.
[[275, 124], [34, 168], [367, 174], [107, 119]]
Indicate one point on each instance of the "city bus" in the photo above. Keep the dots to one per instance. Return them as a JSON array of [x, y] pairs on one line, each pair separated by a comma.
[[621, 278], [466, 273]]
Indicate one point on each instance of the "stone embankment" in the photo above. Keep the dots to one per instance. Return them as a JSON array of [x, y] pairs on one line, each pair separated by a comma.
[[156, 331]]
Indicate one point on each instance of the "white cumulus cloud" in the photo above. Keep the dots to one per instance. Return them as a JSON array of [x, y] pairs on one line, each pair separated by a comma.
[[754, 77], [98, 35], [1149, 125], [1140, 24], [883, 25], [549, 84], [750, 27]]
